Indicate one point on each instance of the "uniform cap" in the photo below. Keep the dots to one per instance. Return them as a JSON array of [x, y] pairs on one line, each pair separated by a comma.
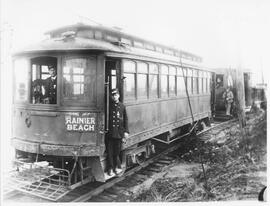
[[114, 91], [51, 67]]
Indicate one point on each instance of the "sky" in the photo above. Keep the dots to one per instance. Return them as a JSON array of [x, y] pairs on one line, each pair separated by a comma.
[[225, 33]]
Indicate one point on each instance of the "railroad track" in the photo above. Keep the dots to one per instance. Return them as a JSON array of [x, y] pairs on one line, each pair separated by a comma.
[[115, 187]]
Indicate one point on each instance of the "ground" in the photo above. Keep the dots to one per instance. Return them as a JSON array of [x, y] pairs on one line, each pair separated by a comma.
[[230, 164]]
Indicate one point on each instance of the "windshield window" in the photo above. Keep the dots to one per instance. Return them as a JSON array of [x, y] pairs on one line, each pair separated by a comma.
[[21, 82], [79, 82], [44, 80]]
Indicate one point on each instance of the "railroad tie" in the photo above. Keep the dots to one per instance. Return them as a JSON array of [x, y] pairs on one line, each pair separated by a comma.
[[152, 169], [146, 172], [98, 199], [117, 188], [156, 164], [135, 180], [140, 176], [108, 194], [164, 162], [122, 184], [168, 157], [112, 191]]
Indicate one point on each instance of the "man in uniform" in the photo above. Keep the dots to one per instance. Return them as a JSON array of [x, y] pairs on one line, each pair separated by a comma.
[[50, 85], [228, 99], [118, 132]]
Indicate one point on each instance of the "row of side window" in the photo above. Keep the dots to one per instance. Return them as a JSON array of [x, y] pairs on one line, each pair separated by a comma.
[[145, 80]]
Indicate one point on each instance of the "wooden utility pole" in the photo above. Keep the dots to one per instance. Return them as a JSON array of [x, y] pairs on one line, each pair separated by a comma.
[[240, 96]]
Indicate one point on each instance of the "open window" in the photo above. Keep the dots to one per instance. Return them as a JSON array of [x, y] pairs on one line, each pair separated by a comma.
[[43, 80]]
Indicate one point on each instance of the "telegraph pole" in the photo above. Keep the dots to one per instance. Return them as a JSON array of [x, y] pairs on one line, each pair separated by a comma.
[[240, 96]]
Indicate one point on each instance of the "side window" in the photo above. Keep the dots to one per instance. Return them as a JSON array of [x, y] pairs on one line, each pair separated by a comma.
[[181, 87], [209, 81], [172, 79], [142, 71], [200, 82], [189, 81], [164, 80], [204, 82], [153, 81], [44, 80], [79, 80], [129, 81], [21, 67], [195, 81]]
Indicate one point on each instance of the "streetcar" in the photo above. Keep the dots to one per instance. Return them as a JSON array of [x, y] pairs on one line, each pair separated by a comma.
[[166, 91]]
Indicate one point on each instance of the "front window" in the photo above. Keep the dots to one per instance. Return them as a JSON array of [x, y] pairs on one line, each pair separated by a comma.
[[79, 80], [21, 80], [44, 80]]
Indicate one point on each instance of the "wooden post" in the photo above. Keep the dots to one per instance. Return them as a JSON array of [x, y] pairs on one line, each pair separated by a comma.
[[240, 96]]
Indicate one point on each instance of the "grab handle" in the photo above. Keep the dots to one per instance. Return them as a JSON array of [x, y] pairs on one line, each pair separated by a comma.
[[107, 104]]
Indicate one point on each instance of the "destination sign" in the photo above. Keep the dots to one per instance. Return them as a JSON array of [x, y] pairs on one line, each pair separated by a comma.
[[80, 122]]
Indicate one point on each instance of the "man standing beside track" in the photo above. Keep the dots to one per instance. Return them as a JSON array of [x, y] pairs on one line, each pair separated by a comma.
[[228, 99], [118, 132]]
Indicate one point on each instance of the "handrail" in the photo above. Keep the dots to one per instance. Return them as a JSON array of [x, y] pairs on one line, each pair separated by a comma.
[[107, 104]]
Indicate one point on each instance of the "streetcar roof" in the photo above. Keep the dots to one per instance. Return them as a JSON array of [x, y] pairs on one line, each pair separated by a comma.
[[89, 37]]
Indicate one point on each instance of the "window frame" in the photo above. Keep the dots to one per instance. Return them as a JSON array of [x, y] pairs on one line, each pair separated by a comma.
[[157, 79], [146, 73], [205, 82], [200, 81], [181, 72], [189, 77], [195, 79], [58, 84], [82, 103], [135, 80], [28, 81], [162, 95], [174, 75]]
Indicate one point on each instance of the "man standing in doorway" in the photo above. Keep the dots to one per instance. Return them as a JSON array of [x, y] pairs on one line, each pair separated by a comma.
[[118, 132]]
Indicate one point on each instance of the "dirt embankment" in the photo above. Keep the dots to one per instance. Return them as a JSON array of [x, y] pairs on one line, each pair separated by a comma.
[[230, 164]]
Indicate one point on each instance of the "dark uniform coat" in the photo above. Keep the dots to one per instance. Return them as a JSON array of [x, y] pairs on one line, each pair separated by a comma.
[[118, 122], [50, 89]]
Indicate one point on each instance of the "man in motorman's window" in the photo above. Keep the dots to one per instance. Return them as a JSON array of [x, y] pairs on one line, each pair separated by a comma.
[[50, 86], [118, 133]]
